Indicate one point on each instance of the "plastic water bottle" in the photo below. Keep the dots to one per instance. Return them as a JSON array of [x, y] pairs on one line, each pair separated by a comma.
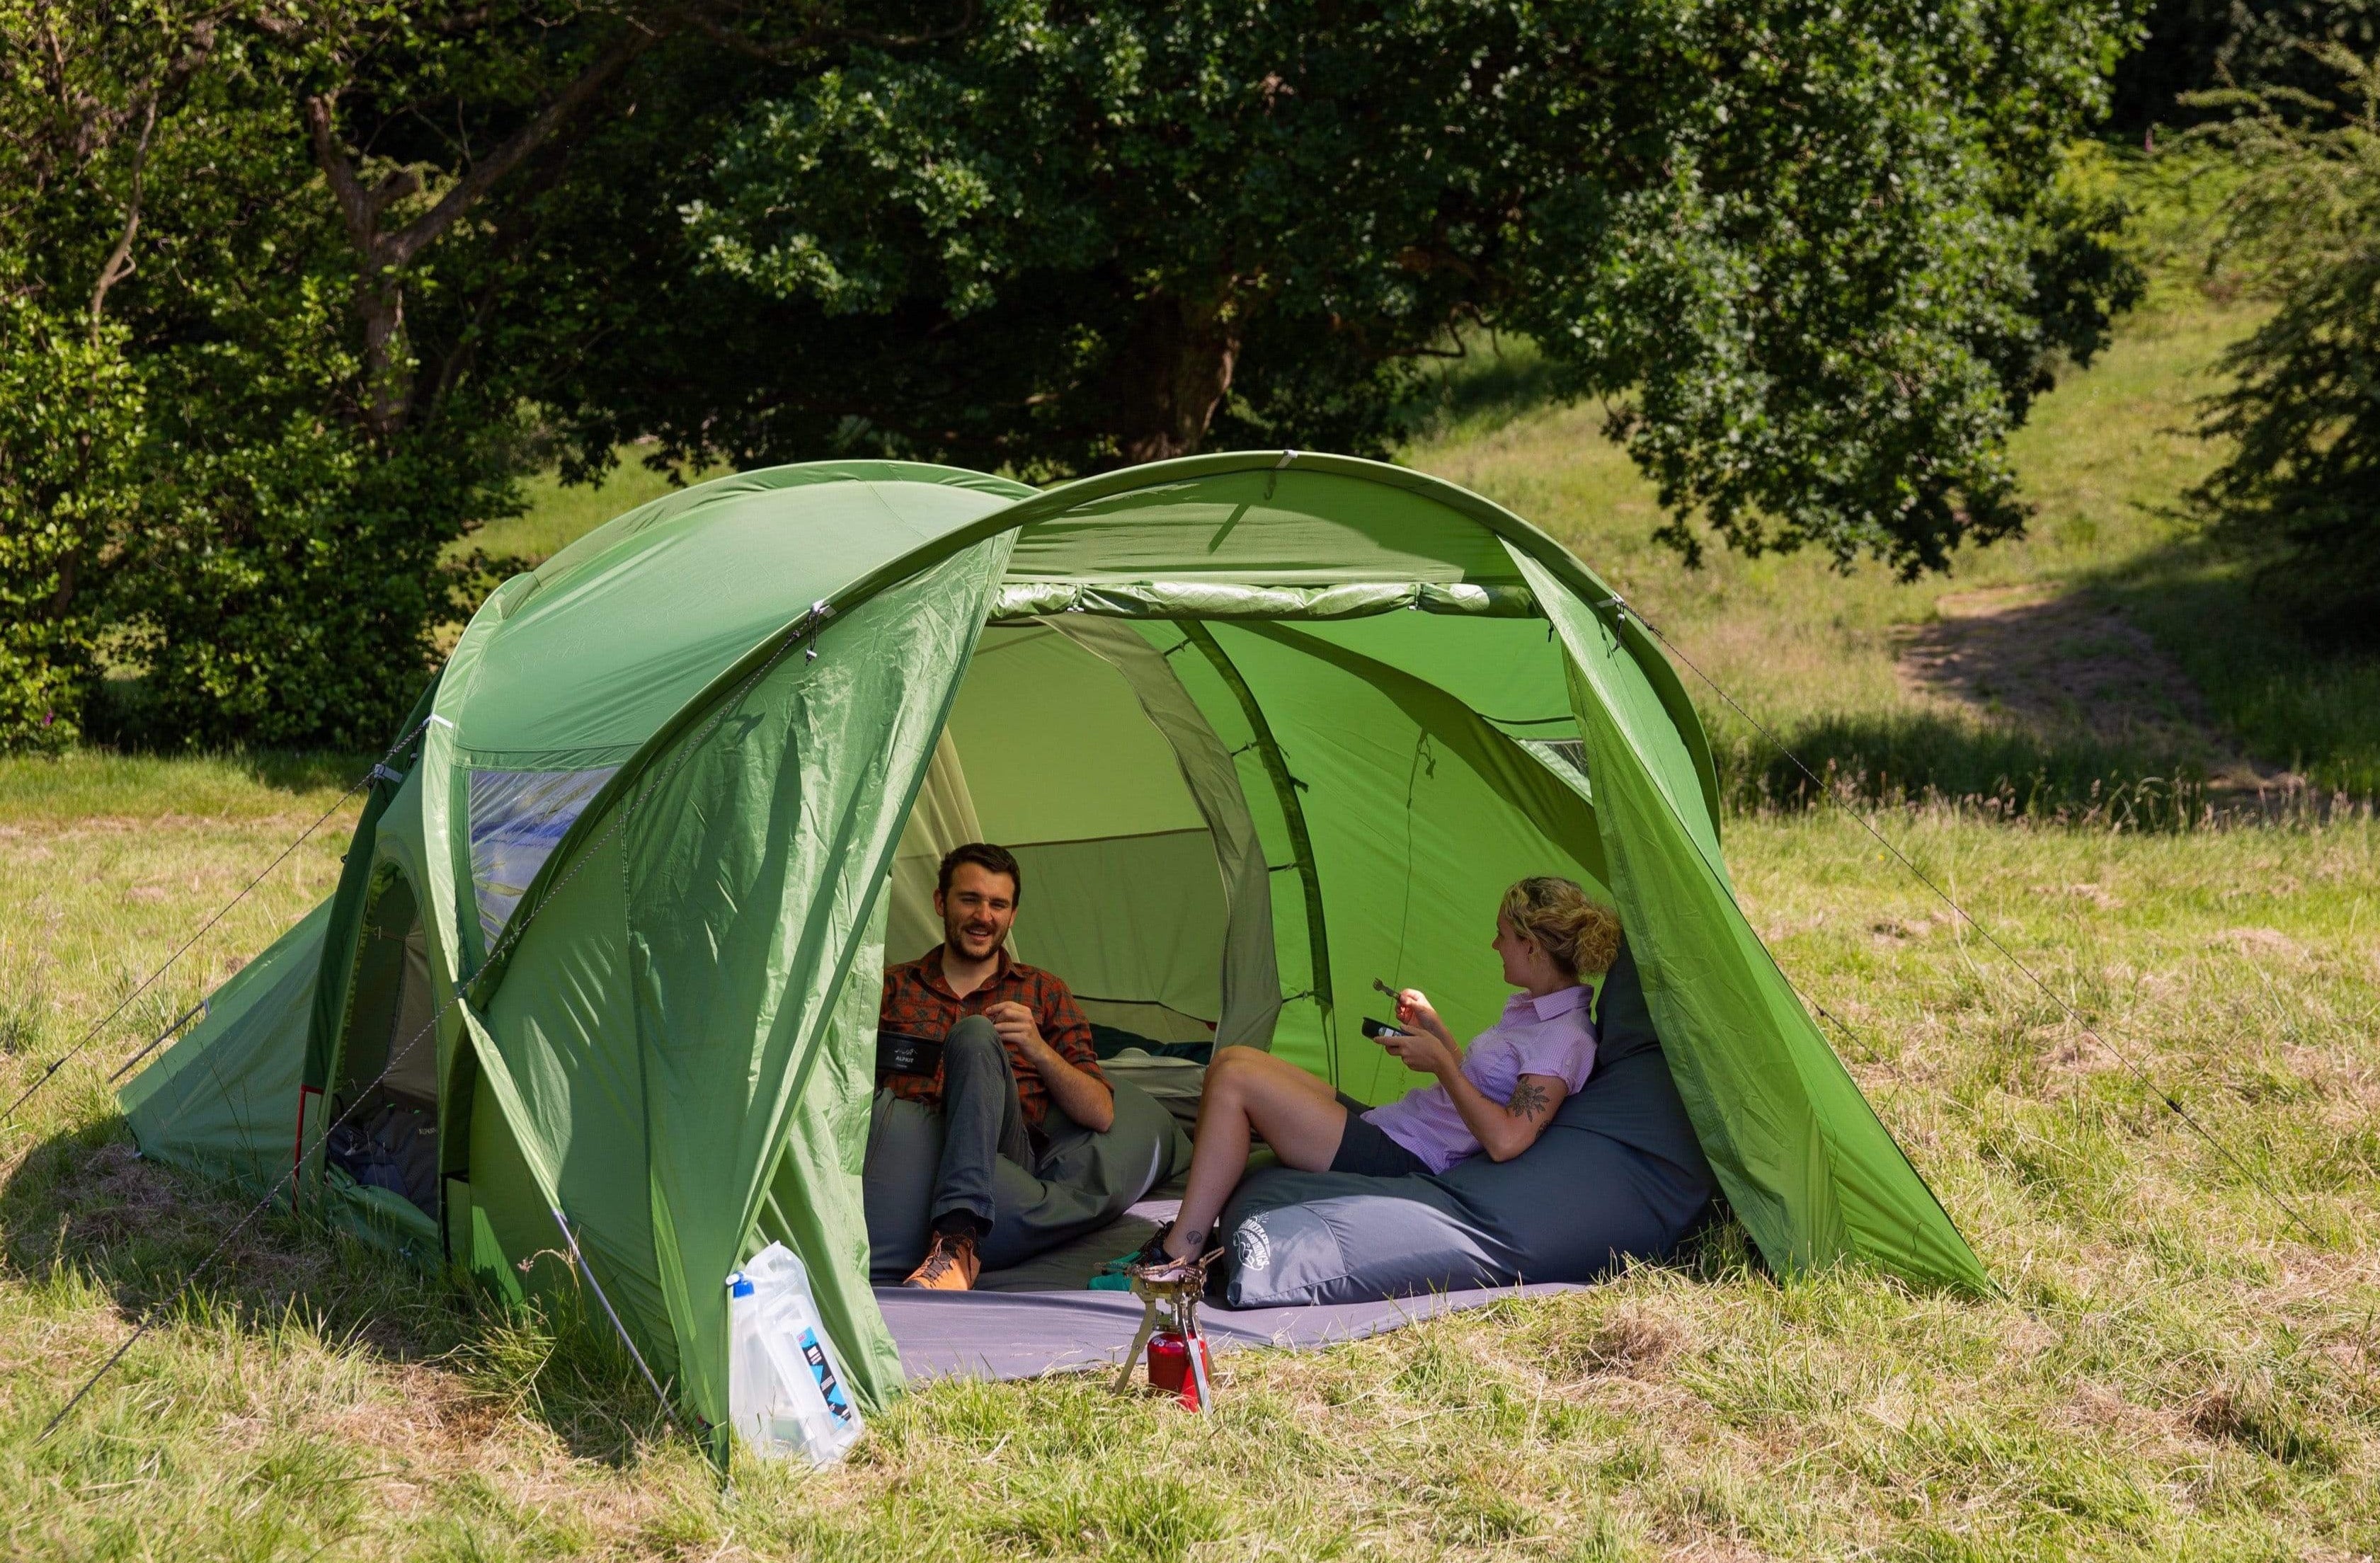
[[785, 1390]]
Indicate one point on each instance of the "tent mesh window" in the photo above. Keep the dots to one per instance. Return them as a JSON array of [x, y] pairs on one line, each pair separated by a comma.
[[1565, 757], [518, 819], [388, 1072]]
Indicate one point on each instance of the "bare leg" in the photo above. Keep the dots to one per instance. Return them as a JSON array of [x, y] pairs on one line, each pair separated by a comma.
[[1249, 1092]]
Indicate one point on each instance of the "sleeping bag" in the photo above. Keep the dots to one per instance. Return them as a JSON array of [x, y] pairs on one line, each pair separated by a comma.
[[1618, 1174]]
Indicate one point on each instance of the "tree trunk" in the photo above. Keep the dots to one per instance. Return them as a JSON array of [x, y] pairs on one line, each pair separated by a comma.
[[388, 363], [1174, 377], [383, 255]]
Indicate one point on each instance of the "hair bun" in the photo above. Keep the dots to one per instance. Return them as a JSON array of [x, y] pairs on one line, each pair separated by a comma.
[[1581, 934]]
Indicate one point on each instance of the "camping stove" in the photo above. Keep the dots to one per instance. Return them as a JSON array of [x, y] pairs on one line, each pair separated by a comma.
[[1169, 1328]]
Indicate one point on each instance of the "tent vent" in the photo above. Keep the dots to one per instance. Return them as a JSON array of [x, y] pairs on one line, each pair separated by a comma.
[[1566, 757]]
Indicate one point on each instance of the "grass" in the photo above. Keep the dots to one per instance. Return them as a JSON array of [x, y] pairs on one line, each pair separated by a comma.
[[557, 514], [2174, 1368]]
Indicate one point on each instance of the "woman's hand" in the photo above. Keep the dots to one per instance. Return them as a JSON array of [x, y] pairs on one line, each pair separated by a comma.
[[1414, 1014], [1423, 1052]]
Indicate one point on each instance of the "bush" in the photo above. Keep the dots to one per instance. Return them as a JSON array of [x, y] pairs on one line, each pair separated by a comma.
[[70, 421], [291, 592]]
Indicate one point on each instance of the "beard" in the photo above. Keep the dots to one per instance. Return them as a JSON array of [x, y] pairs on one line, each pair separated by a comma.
[[974, 942]]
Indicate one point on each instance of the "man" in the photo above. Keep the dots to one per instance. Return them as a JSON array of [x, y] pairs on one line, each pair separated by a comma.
[[1016, 1054]]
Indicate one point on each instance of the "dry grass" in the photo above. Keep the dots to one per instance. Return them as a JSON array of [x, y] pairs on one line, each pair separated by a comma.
[[2174, 1370]]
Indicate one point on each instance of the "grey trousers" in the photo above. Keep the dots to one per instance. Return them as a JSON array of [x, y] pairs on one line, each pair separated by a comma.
[[982, 1122], [1080, 1183]]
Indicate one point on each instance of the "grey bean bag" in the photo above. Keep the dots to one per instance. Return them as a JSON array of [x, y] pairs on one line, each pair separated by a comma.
[[1618, 1174], [1087, 1180]]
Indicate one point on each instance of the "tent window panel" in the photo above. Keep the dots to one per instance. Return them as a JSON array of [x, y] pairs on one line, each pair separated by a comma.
[[518, 819], [1566, 757]]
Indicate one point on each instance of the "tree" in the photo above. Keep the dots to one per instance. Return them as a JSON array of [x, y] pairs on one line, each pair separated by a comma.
[[1818, 259], [2194, 46], [85, 102], [2300, 492], [276, 311]]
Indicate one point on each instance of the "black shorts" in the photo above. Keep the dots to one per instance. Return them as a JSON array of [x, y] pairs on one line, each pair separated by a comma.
[[1365, 1148]]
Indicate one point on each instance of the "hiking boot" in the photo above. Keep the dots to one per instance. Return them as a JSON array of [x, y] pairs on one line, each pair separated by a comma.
[[950, 1265]]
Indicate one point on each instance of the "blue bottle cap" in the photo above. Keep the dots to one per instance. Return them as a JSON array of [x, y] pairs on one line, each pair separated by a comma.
[[737, 1286]]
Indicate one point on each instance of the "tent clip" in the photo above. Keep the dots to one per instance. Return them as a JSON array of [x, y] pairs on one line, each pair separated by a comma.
[[1274, 475], [384, 773], [811, 623]]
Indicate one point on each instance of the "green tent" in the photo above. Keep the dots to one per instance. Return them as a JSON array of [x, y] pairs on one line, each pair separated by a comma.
[[1261, 727]]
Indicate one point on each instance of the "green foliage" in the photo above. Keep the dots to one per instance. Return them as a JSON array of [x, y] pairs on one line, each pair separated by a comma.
[[2300, 492], [1820, 258], [2194, 46], [250, 414], [70, 412]]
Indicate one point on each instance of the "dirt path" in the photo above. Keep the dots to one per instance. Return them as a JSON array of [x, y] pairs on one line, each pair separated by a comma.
[[2062, 664]]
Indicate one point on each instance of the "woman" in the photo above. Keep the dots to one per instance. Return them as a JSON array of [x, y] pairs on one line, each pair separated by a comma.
[[1494, 1096]]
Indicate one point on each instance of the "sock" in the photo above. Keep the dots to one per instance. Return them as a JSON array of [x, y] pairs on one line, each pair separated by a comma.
[[960, 1223]]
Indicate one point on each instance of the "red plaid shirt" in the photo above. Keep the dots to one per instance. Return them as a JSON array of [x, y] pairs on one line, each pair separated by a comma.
[[918, 1002]]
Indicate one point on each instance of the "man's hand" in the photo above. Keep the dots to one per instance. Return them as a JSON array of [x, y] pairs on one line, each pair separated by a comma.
[[1018, 1027], [1086, 1098]]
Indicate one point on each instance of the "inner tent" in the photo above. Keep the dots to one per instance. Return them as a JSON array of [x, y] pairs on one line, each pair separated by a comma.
[[1230, 828]]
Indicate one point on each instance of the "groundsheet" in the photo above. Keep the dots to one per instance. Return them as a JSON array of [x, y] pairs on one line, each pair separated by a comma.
[[1025, 1334]]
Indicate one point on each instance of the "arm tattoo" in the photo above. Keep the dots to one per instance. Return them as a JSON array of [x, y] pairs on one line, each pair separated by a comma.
[[1528, 1099]]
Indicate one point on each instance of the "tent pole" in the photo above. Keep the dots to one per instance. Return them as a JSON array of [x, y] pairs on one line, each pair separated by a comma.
[[609, 1312], [1284, 788]]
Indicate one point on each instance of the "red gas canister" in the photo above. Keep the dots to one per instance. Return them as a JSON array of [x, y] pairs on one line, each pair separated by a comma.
[[1169, 1369]]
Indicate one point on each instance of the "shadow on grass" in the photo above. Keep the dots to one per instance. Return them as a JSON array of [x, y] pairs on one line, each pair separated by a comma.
[[305, 770], [1498, 380], [2160, 695], [84, 1203], [2286, 701], [2000, 771], [118, 721]]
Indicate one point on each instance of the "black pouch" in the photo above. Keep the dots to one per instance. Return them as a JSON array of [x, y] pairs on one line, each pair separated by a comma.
[[899, 1054]]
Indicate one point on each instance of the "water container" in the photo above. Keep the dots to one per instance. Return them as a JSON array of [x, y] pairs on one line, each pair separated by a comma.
[[785, 1390]]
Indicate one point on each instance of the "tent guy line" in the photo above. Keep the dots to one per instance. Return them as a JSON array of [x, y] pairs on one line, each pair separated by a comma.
[[801, 631], [375, 774], [306, 1154], [1620, 606]]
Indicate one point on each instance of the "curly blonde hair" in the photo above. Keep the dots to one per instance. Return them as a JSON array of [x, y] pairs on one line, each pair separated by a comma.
[[1581, 935]]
